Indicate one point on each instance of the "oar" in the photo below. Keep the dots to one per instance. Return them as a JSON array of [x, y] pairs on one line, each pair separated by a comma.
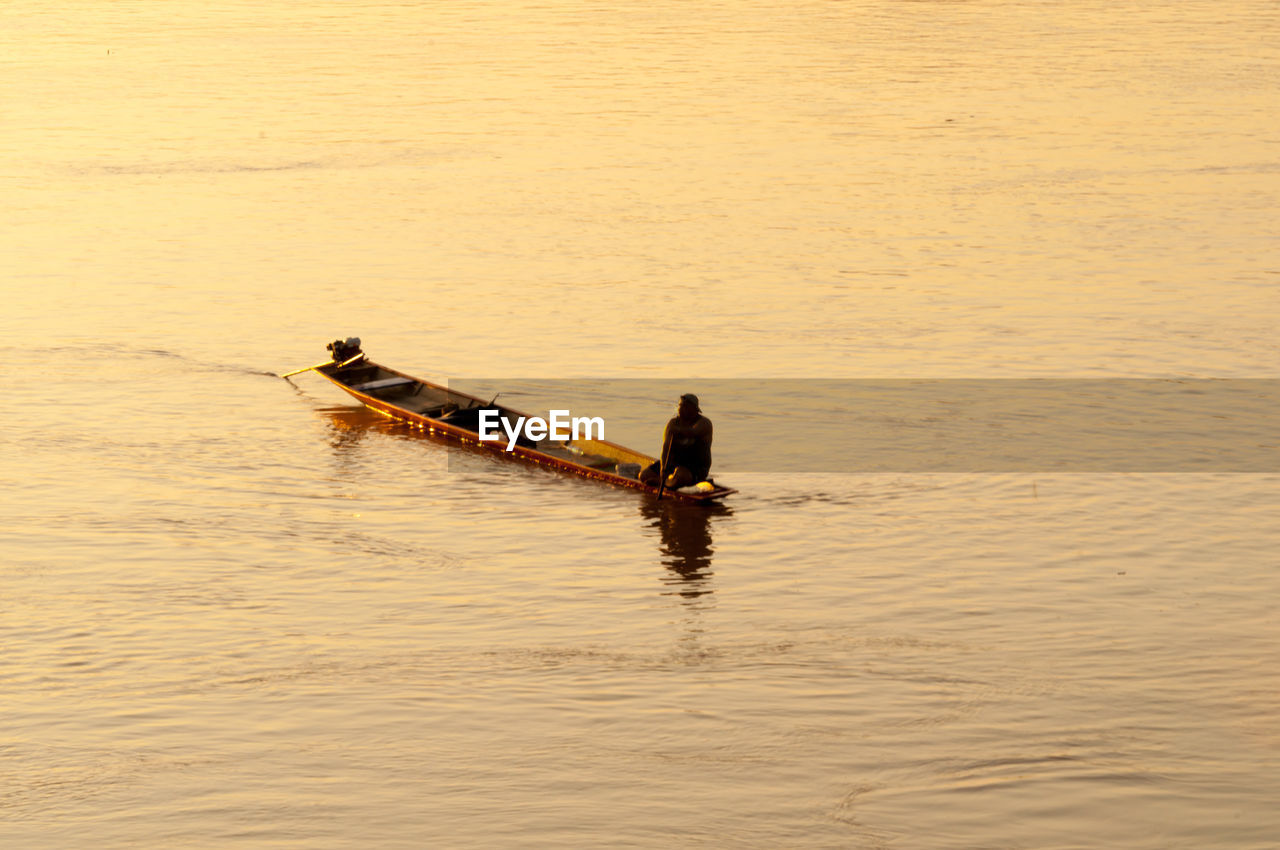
[[322, 365], [662, 469]]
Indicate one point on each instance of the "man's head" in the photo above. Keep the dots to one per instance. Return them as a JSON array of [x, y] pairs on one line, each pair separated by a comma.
[[689, 405]]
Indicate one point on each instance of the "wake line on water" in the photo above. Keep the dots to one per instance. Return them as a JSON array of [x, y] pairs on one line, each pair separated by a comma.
[[178, 167], [119, 350], [210, 168]]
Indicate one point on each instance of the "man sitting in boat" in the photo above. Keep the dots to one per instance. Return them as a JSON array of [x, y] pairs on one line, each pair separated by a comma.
[[686, 446]]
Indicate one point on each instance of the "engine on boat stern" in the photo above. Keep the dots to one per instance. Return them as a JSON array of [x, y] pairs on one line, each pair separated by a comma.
[[344, 349]]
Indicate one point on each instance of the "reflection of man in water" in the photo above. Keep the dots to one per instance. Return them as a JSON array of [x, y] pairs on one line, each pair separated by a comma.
[[686, 548], [686, 446]]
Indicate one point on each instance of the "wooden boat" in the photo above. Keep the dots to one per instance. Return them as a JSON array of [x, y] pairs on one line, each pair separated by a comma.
[[455, 415]]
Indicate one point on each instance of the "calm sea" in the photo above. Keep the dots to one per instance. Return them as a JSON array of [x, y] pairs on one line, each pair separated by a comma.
[[238, 612]]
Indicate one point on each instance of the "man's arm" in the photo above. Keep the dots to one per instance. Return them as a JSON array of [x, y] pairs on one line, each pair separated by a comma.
[[703, 430], [668, 433]]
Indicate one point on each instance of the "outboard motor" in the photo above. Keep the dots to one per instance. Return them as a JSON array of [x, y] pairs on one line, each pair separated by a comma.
[[344, 349]]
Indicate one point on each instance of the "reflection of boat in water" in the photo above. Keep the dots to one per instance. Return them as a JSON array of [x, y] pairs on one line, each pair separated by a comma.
[[687, 545], [350, 422], [456, 416]]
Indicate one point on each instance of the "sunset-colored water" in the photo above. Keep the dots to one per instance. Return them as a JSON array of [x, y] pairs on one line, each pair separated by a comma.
[[240, 612]]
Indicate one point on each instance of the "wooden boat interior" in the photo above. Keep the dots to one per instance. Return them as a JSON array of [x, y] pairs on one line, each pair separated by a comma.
[[462, 410]]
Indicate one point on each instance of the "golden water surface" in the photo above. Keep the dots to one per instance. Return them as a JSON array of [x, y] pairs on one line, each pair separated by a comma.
[[236, 612]]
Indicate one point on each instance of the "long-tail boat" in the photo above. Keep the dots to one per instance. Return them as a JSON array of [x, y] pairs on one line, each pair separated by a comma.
[[455, 416]]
